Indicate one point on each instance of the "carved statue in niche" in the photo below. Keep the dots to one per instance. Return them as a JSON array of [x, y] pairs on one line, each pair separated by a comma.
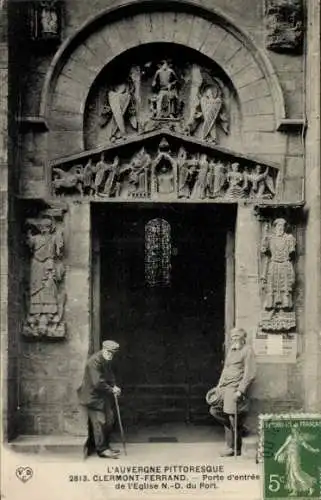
[[164, 172], [206, 108], [278, 278], [49, 18], [236, 181], [88, 178], [261, 183], [46, 293], [165, 102], [284, 24]]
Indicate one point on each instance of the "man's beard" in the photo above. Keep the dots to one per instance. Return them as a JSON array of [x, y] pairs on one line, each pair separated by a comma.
[[237, 344]]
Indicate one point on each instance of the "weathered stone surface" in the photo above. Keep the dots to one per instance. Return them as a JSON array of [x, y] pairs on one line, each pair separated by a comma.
[[294, 166]]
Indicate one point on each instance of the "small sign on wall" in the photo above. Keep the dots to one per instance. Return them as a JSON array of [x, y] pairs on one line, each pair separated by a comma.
[[275, 347]]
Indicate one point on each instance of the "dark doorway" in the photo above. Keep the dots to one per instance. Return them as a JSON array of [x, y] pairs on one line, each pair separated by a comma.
[[171, 334]]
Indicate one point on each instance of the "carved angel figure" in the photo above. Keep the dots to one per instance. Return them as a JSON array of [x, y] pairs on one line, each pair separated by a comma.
[[120, 107], [209, 111]]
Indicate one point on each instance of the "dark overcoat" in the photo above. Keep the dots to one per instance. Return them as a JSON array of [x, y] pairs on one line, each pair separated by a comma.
[[96, 390]]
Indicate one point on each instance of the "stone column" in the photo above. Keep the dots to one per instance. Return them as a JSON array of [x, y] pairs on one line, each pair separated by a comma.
[[78, 307], [312, 348], [247, 292]]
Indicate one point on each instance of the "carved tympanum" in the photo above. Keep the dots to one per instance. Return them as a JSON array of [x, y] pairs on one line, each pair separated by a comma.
[[284, 24], [165, 171], [278, 278], [46, 295], [173, 93]]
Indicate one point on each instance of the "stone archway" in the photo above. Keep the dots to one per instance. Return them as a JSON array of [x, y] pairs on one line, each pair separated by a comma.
[[82, 58]]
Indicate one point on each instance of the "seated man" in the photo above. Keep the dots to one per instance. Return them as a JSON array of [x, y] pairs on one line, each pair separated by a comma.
[[96, 393], [232, 390]]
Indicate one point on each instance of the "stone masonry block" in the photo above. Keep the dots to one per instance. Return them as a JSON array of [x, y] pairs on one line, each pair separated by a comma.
[[229, 48], [68, 87], [214, 37], [254, 91], [246, 76], [260, 106], [183, 28], [61, 119], [113, 42], [198, 33], [238, 61], [157, 26], [264, 143], [64, 143], [142, 27], [294, 166], [260, 123], [170, 19], [293, 189], [129, 34]]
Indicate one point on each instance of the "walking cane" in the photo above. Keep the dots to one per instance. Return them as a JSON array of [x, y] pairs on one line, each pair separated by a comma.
[[122, 435], [235, 430]]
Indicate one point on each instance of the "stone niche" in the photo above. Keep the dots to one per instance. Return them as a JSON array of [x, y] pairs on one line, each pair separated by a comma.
[[284, 24], [169, 87]]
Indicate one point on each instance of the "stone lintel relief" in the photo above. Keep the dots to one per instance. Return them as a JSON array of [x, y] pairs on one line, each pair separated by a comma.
[[164, 167], [278, 250], [284, 24], [45, 297]]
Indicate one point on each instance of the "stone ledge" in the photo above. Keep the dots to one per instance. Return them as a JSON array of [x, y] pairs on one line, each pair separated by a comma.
[[41, 444]]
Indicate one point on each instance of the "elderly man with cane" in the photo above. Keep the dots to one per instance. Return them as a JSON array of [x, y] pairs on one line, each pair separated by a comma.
[[98, 393], [229, 399]]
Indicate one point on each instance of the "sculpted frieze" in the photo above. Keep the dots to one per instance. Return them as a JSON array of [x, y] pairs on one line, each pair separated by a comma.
[[165, 169], [46, 273]]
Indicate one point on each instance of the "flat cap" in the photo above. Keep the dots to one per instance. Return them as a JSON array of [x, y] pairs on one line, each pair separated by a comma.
[[110, 345]]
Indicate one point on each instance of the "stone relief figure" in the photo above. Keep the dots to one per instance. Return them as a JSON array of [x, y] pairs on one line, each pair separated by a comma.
[[236, 181], [207, 110], [220, 178], [165, 103], [120, 108], [68, 181], [278, 278], [110, 185], [49, 19], [139, 174], [261, 183], [201, 184], [284, 24], [46, 294], [186, 173]]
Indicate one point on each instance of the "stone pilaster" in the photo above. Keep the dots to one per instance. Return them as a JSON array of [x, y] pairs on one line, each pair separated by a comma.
[[312, 364]]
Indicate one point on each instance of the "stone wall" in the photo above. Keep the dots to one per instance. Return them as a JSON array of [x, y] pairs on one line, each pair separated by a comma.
[[51, 102]]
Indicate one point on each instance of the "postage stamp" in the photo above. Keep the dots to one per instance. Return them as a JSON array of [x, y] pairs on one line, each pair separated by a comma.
[[290, 452]]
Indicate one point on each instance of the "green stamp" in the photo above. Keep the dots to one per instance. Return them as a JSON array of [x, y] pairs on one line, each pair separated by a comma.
[[290, 452]]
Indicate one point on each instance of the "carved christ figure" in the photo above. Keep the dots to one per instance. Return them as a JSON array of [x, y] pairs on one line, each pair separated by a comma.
[[165, 85], [278, 276]]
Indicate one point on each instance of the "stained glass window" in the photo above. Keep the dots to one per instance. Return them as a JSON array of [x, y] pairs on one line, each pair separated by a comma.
[[158, 253]]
